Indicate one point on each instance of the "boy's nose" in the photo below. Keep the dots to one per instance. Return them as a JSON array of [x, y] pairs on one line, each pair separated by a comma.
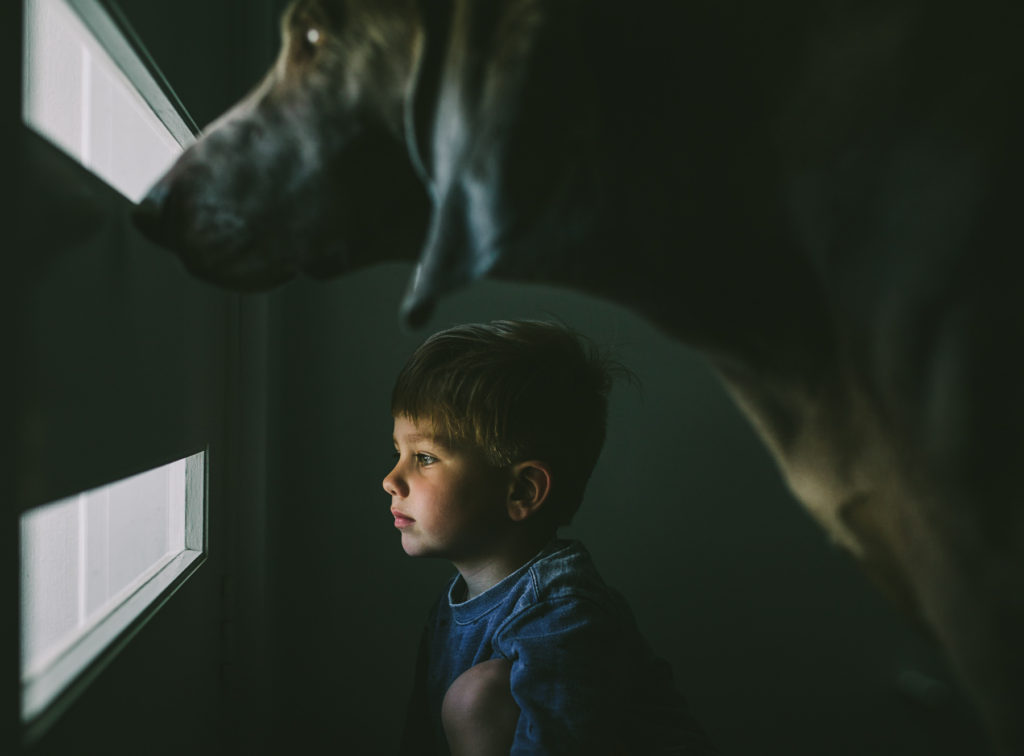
[[393, 485]]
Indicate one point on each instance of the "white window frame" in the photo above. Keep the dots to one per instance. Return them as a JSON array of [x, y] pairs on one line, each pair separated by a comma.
[[79, 71], [61, 678]]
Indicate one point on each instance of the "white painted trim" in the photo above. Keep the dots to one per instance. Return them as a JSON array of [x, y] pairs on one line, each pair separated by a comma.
[[195, 501], [96, 18]]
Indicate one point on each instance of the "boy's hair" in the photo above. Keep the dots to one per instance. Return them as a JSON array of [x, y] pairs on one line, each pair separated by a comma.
[[516, 390]]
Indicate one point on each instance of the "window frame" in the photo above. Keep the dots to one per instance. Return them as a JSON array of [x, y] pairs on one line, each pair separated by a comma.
[[111, 29]]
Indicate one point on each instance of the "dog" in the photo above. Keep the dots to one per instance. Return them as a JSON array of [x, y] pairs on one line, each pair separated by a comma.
[[820, 197]]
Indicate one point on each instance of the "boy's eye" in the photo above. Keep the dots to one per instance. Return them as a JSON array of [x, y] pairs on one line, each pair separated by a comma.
[[425, 459]]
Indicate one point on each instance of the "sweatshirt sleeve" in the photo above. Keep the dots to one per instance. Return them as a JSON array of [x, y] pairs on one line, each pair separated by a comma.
[[570, 677]]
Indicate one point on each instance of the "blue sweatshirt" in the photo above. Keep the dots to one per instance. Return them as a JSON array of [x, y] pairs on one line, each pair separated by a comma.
[[583, 677]]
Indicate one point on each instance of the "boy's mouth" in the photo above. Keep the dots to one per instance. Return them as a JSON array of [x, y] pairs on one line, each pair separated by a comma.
[[401, 519]]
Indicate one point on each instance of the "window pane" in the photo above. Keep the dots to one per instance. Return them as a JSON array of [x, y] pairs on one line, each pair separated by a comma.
[[92, 563], [78, 97]]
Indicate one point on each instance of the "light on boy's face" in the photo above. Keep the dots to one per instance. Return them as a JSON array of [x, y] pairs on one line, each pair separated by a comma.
[[446, 502]]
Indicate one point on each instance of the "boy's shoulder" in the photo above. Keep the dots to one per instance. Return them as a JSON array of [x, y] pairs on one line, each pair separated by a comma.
[[565, 571], [564, 595], [562, 581]]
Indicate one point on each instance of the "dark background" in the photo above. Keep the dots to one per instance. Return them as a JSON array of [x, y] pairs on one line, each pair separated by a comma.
[[779, 643]]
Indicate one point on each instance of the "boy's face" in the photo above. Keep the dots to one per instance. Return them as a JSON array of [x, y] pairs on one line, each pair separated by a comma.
[[446, 502]]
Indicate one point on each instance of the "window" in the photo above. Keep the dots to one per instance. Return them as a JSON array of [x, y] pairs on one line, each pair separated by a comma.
[[96, 564], [88, 92]]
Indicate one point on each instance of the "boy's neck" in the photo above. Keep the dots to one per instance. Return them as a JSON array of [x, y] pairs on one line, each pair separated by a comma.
[[486, 572]]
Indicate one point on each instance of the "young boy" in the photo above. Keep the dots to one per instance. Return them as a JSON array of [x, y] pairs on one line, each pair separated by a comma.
[[497, 429]]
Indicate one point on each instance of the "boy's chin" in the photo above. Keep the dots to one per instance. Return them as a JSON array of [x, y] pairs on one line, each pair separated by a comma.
[[413, 547]]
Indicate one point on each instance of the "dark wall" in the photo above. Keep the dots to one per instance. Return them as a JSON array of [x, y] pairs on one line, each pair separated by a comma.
[[211, 54]]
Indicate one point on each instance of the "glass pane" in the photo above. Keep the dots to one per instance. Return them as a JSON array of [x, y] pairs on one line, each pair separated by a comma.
[[84, 559], [78, 97]]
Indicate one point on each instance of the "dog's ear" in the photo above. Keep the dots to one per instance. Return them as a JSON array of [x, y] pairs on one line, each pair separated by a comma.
[[421, 99], [496, 122]]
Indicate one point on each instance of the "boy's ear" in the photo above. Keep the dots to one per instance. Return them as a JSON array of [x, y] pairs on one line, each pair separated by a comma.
[[531, 484]]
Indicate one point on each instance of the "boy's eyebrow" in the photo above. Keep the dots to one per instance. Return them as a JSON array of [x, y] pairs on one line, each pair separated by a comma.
[[414, 438]]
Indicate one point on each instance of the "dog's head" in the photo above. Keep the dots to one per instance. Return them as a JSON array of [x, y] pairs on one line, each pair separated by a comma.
[[309, 172], [383, 130]]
